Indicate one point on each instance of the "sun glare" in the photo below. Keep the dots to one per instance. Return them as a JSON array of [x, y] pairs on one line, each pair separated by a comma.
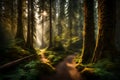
[[44, 13], [39, 25]]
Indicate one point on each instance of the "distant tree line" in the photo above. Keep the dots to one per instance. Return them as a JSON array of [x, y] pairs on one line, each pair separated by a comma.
[[67, 21]]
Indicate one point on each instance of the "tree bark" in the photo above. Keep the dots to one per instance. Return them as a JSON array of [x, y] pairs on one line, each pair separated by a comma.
[[32, 23], [50, 15], [61, 17], [29, 26], [1, 10], [88, 35], [105, 45], [19, 34], [70, 21]]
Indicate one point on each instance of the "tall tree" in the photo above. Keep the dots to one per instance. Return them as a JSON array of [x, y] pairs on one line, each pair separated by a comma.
[[19, 34], [50, 16], [118, 24], [70, 18], [42, 15], [105, 45], [88, 35], [28, 43], [61, 17], [1, 9], [13, 16], [31, 24], [61, 14]]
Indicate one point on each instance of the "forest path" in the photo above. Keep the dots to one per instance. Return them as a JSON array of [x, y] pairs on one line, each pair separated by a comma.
[[65, 70]]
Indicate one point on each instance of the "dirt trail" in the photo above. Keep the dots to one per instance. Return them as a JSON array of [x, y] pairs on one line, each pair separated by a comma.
[[66, 70]]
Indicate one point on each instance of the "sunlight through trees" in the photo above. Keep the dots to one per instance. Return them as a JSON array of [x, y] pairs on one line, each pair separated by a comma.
[[59, 39]]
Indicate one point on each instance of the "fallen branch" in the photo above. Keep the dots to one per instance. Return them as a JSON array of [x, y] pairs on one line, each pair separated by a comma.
[[15, 62]]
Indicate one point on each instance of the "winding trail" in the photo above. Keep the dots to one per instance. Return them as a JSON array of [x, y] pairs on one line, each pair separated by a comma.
[[65, 70]]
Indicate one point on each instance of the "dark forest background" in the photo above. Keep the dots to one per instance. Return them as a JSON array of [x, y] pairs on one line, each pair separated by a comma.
[[31, 30]]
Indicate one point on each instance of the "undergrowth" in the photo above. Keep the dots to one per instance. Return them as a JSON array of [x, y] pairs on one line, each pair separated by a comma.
[[55, 56], [102, 70], [30, 71]]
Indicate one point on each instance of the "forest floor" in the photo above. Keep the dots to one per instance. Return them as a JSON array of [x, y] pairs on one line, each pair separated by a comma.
[[65, 70], [44, 67]]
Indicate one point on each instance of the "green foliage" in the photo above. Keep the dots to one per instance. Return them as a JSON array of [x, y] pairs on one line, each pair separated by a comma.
[[55, 56], [42, 68], [104, 64], [107, 70], [75, 44], [77, 59], [6, 39], [102, 70], [97, 74], [31, 71], [104, 75], [12, 52], [16, 52], [58, 46]]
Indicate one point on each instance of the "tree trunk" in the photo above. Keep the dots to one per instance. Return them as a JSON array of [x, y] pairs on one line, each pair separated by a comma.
[[29, 26], [43, 20], [105, 46], [12, 16], [118, 25], [1, 10], [88, 35], [70, 21], [50, 15], [19, 34], [32, 23], [61, 17]]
